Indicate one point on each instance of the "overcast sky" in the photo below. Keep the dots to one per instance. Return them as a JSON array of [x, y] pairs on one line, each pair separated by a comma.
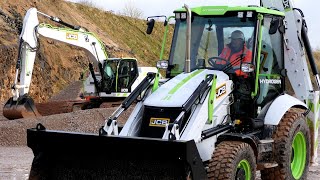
[[166, 7]]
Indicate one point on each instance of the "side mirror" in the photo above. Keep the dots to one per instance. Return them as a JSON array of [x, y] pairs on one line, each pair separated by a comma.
[[247, 67], [275, 23], [162, 64], [150, 24]]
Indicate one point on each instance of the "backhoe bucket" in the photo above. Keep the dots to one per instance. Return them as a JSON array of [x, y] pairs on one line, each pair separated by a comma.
[[63, 155], [22, 108]]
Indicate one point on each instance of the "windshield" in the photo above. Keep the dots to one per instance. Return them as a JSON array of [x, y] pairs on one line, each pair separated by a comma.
[[220, 43]]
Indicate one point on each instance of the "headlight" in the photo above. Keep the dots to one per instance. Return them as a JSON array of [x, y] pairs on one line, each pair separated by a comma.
[[247, 67], [162, 64]]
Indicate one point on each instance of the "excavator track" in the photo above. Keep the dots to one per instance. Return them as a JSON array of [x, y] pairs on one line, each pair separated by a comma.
[[58, 107], [67, 106], [54, 107]]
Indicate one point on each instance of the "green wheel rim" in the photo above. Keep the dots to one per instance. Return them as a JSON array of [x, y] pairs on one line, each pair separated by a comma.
[[244, 165], [299, 154]]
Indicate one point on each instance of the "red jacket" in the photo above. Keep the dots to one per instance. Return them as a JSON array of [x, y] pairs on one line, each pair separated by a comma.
[[235, 60]]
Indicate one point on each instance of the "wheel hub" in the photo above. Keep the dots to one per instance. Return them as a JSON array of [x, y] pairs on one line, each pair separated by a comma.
[[298, 155], [243, 170], [241, 174]]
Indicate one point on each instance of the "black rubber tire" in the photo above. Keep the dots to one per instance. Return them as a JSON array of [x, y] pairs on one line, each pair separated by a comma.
[[291, 123], [227, 156]]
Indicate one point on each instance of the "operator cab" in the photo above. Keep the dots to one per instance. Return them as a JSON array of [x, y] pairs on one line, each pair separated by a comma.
[[256, 80], [119, 75]]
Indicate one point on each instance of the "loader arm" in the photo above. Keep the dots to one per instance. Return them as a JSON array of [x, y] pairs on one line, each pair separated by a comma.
[[29, 44]]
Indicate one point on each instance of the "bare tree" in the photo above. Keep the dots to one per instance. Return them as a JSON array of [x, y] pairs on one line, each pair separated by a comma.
[[89, 3], [132, 11]]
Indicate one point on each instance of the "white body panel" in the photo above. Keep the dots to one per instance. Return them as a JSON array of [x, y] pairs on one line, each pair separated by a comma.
[[198, 123], [174, 93], [86, 40], [198, 120], [132, 126], [294, 56], [296, 65], [279, 107]]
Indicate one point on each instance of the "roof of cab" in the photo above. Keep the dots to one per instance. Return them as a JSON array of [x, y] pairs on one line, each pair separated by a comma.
[[221, 10]]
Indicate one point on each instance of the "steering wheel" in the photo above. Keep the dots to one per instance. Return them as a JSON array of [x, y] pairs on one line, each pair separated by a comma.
[[213, 61]]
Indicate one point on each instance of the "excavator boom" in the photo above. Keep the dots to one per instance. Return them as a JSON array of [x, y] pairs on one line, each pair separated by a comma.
[[21, 105], [114, 80]]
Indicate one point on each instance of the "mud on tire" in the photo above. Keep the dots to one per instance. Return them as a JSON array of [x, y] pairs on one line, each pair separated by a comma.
[[292, 123], [227, 158]]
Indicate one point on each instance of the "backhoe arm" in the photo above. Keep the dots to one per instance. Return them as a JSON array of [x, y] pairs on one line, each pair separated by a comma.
[[20, 104], [297, 51], [29, 44]]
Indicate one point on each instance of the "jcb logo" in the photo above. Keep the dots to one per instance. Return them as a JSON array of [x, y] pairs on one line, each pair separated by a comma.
[[72, 36], [159, 122], [286, 4], [221, 90]]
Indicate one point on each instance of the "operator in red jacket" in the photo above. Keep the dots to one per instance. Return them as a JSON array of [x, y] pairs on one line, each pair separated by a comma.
[[236, 52]]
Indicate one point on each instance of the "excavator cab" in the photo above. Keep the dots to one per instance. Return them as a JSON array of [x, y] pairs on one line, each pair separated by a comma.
[[119, 75], [127, 74]]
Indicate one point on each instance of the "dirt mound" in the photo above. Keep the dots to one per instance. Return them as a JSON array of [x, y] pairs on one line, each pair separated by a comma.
[[13, 132], [71, 92]]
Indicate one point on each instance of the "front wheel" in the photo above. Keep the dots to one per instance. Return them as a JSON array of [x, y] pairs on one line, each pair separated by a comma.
[[291, 148], [232, 160]]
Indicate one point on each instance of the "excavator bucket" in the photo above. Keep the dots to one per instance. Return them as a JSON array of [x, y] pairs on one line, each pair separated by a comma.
[[22, 108], [64, 155]]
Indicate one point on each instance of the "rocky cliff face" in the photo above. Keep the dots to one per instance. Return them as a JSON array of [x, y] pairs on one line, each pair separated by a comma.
[[50, 75]]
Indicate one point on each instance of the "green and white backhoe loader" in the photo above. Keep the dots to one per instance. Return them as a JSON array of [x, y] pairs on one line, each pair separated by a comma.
[[212, 118]]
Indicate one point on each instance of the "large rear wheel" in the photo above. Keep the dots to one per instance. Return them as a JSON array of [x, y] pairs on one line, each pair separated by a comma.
[[291, 148], [232, 160]]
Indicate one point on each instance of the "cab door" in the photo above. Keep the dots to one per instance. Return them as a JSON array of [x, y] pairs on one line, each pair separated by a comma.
[[127, 74], [270, 81]]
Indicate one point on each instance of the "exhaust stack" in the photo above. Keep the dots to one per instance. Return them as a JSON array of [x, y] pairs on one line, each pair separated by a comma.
[[188, 38]]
